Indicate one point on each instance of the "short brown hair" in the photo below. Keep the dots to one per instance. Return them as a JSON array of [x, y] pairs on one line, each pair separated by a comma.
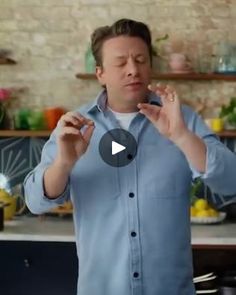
[[126, 27]]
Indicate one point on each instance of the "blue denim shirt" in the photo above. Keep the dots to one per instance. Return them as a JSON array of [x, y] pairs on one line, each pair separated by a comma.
[[150, 197]]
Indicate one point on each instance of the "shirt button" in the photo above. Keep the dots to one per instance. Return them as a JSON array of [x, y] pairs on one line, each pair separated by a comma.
[[133, 234], [129, 157], [135, 274], [131, 195]]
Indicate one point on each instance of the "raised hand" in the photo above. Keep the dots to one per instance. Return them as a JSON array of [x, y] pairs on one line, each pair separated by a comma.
[[167, 118], [72, 141]]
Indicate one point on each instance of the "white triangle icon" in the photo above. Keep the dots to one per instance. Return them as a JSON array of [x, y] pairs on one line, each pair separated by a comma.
[[116, 148]]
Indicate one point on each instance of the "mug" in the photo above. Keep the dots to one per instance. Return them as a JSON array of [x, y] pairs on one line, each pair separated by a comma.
[[179, 62], [52, 116]]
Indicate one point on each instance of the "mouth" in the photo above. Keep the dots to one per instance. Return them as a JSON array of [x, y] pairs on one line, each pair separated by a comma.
[[134, 85]]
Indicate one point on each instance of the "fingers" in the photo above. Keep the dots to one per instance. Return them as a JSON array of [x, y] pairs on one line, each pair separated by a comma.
[[150, 111], [71, 124], [75, 119], [68, 130], [84, 120], [88, 132], [166, 92], [70, 119]]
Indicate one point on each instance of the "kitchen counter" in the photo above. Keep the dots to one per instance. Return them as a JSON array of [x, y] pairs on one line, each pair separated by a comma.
[[214, 235], [42, 229], [60, 229]]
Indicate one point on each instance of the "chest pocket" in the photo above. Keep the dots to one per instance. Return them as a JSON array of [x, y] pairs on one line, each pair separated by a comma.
[[164, 171]]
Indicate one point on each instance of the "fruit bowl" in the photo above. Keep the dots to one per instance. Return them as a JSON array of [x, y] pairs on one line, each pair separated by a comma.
[[208, 220]]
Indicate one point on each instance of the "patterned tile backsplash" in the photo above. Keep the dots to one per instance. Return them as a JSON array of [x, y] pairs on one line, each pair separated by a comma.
[[19, 155]]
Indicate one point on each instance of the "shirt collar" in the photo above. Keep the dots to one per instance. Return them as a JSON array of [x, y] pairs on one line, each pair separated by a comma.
[[99, 103]]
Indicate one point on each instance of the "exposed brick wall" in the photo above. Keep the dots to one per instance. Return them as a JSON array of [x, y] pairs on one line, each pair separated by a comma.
[[49, 39]]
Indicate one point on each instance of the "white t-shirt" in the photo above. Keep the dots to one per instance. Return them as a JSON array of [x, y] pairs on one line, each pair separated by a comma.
[[124, 119]]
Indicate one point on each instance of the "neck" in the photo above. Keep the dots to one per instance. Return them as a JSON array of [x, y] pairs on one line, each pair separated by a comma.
[[122, 107]]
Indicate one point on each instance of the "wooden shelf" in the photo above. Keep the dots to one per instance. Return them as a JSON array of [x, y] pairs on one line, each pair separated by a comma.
[[25, 133], [171, 76], [227, 133], [7, 61], [46, 133]]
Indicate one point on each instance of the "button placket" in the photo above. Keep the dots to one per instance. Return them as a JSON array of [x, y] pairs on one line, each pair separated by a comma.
[[135, 248]]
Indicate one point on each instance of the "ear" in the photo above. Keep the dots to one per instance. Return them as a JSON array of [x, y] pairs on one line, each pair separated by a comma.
[[100, 75]]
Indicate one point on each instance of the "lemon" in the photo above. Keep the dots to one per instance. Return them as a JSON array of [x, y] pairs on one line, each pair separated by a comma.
[[213, 212], [202, 213], [201, 204], [193, 211]]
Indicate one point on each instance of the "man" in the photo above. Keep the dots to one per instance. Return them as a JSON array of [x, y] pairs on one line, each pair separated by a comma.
[[132, 223]]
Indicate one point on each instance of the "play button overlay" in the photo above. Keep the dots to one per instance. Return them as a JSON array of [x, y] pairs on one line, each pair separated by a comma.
[[118, 147]]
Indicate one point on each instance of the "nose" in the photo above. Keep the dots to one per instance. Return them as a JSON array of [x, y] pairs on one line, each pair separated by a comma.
[[132, 68]]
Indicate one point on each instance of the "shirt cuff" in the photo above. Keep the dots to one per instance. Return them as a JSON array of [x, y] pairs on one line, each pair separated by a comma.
[[59, 199], [213, 163], [36, 184]]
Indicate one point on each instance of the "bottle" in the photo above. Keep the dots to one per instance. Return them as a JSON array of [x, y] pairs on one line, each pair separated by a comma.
[[90, 64]]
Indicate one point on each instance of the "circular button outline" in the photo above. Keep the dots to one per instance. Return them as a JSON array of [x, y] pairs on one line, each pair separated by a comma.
[[122, 137]]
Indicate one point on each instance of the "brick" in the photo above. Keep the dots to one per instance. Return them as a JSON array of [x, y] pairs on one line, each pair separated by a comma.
[[97, 2], [138, 12], [59, 26], [29, 26], [8, 26], [39, 39], [40, 12], [5, 38], [6, 13], [15, 3], [60, 13], [23, 13], [233, 11], [220, 11], [81, 12]]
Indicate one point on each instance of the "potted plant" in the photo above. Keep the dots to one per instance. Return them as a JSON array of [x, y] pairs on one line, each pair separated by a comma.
[[228, 114], [158, 59]]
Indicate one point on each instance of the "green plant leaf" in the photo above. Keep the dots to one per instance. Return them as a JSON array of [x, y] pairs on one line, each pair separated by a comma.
[[157, 43], [229, 111]]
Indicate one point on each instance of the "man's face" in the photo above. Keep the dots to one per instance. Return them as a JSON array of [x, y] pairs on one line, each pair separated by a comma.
[[126, 70]]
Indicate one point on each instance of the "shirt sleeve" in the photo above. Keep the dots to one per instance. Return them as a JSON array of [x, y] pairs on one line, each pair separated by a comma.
[[220, 161], [33, 186]]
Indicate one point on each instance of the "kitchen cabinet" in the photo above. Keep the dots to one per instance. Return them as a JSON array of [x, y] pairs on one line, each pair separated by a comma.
[[214, 248], [45, 268], [217, 259], [38, 256], [38, 268]]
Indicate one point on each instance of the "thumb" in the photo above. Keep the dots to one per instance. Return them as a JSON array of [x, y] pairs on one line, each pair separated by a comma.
[[88, 133]]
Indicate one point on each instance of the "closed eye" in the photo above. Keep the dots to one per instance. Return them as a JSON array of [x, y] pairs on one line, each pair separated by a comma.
[[141, 59], [120, 64]]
